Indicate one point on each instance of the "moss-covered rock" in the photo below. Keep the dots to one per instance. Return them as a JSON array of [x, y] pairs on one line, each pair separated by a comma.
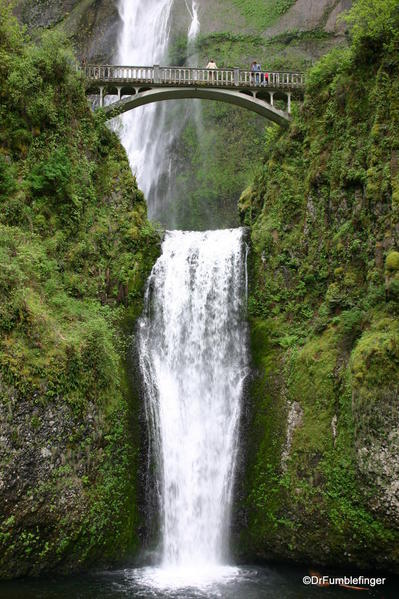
[[392, 261], [322, 478], [75, 251], [92, 25]]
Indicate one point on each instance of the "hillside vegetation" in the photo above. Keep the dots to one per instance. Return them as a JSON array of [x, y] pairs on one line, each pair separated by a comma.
[[322, 472], [75, 251]]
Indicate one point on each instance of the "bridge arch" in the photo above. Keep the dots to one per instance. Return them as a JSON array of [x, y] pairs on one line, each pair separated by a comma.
[[240, 98]]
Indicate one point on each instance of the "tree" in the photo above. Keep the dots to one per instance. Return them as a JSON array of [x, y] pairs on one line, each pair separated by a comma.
[[374, 23]]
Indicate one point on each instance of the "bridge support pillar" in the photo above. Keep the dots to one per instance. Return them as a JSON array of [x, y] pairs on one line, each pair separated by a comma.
[[101, 96], [236, 76], [119, 92], [157, 73], [272, 98], [289, 102]]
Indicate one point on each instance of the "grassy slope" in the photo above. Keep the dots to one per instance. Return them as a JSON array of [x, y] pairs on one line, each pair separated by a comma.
[[262, 13], [75, 251], [324, 306]]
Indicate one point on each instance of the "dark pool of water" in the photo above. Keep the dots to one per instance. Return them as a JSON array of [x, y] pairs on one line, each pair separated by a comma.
[[225, 583]]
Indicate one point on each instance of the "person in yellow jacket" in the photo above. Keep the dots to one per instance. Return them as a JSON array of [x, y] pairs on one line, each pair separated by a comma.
[[211, 66]]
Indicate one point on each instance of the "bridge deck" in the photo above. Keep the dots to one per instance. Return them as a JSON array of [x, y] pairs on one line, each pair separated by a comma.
[[235, 79]]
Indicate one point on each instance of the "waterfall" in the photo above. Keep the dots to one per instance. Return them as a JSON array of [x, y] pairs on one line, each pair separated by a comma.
[[193, 60], [148, 133], [192, 336], [194, 28], [144, 42], [193, 358]]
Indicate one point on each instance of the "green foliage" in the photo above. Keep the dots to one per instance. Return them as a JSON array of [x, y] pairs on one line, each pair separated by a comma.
[[322, 210], [325, 70], [263, 13], [11, 34], [75, 251], [51, 177], [177, 51], [352, 323], [374, 24], [7, 176]]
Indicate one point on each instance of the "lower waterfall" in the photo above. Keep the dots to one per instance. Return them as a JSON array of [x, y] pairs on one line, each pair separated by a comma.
[[194, 359]]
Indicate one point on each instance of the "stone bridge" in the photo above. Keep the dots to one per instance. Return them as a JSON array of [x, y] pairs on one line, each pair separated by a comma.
[[267, 93]]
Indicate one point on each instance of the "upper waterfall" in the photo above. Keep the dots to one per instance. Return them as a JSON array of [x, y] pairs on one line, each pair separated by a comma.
[[195, 22], [148, 133], [144, 41]]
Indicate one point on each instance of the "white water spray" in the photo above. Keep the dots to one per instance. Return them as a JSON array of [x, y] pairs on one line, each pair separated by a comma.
[[193, 357]]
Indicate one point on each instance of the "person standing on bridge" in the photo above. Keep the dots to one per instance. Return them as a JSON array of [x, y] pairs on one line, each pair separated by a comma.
[[258, 70], [212, 67], [253, 69]]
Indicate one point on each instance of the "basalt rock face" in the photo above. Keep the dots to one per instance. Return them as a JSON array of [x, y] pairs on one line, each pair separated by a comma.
[[92, 25], [308, 15], [269, 17], [322, 481], [44, 13]]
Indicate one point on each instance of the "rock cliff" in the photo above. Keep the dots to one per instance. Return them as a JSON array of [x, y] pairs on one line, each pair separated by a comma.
[[321, 481]]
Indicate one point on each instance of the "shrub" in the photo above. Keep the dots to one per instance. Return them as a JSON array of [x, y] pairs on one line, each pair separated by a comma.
[[373, 23], [351, 325], [393, 291], [51, 177], [7, 180], [392, 261]]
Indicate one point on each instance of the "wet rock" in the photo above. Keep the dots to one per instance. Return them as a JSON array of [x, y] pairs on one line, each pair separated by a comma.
[[294, 420]]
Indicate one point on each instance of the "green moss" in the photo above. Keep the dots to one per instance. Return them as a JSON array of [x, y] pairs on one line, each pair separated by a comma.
[[75, 251], [265, 438], [262, 13], [321, 210], [392, 261], [316, 500]]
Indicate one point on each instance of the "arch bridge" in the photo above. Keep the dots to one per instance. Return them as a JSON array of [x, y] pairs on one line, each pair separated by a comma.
[[267, 93]]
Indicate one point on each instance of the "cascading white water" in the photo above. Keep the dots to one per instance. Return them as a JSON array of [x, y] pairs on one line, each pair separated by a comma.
[[194, 28], [192, 337], [193, 60], [148, 133], [144, 42], [192, 345]]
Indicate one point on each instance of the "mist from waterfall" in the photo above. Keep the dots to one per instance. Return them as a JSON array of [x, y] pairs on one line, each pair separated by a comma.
[[193, 358]]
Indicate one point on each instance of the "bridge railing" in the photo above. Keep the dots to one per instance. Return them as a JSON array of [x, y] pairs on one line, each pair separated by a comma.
[[193, 76], [276, 79], [116, 73]]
